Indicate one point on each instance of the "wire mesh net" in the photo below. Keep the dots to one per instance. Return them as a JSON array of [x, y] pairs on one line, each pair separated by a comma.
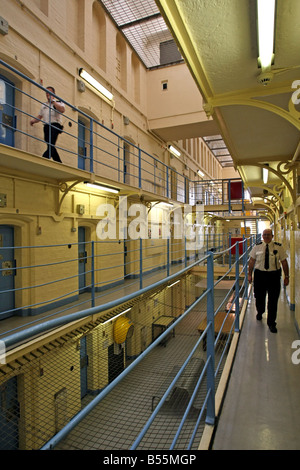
[[145, 29], [49, 382]]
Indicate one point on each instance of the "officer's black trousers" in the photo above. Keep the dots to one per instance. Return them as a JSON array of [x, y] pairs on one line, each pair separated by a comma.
[[267, 283], [50, 136]]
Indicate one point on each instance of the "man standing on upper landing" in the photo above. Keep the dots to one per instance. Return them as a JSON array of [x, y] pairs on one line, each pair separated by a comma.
[[267, 256]]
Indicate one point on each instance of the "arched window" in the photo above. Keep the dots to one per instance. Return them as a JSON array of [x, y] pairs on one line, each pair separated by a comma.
[[98, 44]]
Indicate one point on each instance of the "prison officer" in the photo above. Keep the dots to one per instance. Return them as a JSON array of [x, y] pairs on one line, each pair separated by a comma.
[[267, 256]]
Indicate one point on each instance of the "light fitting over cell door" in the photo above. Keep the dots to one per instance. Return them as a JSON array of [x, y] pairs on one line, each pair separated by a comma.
[[102, 187], [95, 84], [174, 151], [265, 175], [265, 25]]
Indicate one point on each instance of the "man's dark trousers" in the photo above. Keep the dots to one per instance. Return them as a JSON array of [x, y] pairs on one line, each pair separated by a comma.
[[50, 136], [267, 282]]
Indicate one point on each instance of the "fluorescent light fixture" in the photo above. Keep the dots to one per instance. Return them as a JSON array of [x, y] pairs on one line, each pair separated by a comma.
[[119, 314], [165, 204], [94, 83], [176, 282], [200, 173], [265, 174], [174, 151], [265, 23], [102, 188]]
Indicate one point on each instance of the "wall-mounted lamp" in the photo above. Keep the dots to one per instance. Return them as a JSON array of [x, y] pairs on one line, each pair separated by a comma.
[[164, 204], [116, 316], [95, 84], [102, 188], [174, 151], [265, 174], [171, 285], [200, 173], [265, 25]]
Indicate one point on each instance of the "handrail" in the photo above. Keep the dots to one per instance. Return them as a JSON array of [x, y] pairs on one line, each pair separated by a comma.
[[35, 299], [144, 168], [21, 336], [209, 369], [200, 399], [141, 172]]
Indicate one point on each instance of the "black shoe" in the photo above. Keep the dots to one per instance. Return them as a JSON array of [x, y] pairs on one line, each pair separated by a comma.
[[273, 329], [259, 316]]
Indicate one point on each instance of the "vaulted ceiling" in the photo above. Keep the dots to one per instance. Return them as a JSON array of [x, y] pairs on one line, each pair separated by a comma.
[[258, 115]]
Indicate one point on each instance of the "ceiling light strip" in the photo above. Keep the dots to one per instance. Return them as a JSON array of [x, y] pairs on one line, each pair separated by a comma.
[[265, 24], [95, 84]]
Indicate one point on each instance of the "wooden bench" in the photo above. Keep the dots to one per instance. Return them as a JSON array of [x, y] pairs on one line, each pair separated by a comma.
[[184, 387], [219, 319], [231, 303], [161, 324], [218, 271]]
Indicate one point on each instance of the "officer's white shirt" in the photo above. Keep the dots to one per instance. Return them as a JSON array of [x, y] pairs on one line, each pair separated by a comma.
[[276, 254], [48, 111]]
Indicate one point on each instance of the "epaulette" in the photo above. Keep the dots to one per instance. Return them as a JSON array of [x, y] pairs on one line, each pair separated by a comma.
[[259, 243], [276, 243]]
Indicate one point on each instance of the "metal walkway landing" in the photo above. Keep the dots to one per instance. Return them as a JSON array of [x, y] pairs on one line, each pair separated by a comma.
[[261, 409]]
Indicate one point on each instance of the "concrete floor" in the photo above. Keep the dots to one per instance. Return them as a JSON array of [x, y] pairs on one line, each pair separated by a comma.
[[261, 409]]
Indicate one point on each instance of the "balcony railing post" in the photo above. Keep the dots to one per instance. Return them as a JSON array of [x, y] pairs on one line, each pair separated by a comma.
[[210, 415], [140, 169], [229, 243], [93, 273], [119, 161], [168, 256], [141, 263], [167, 181], [245, 259], [91, 147], [237, 288]]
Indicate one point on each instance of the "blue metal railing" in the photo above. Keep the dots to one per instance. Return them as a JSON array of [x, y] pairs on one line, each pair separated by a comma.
[[108, 155], [210, 369], [142, 171], [103, 274]]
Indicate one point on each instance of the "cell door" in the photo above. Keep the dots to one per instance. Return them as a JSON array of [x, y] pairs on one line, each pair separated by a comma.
[[7, 271], [143, 334], [9, 415], [125, 259], [7, 112], [115, 362], [173, 185], [81, 145], [60, 409], [83, 366], [130, 258], [186, 190], [82, 259], [127, 163]]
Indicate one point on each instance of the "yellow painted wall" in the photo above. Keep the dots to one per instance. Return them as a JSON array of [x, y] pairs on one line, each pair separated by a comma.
[[48, 392], [297, 277], [49, 388], [49, 41], [35, 48]]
